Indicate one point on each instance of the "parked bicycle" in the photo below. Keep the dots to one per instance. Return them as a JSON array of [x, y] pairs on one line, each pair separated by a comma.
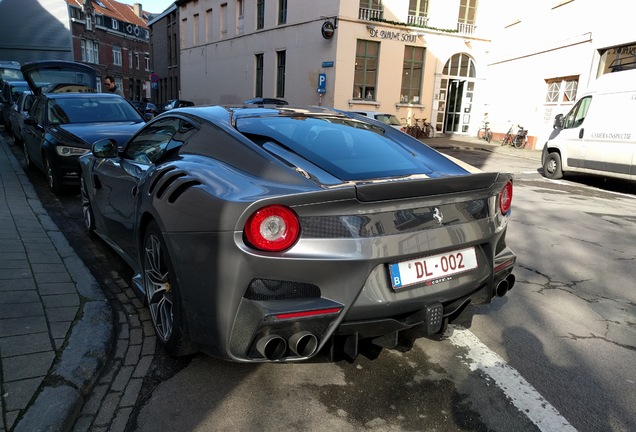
[[429, 130], [415, 130], [516, 139], [484, 132]]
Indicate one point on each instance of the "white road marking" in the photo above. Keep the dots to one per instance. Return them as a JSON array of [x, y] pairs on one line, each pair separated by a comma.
[[522, 394]]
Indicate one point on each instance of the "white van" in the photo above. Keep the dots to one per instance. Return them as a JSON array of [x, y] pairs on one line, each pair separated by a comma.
[[598, 135]]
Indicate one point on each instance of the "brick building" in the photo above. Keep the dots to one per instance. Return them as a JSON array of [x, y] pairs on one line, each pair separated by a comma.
[[115, 39]]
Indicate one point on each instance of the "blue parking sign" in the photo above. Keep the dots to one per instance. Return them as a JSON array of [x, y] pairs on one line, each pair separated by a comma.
[[322, 83]]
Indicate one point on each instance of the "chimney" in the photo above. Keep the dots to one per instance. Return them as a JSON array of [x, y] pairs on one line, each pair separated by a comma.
[[138, 9]]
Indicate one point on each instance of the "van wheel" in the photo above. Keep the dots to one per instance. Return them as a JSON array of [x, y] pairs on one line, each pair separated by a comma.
[[552, 166]]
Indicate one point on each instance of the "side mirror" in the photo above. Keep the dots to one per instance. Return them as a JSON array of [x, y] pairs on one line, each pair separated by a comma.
[[30, 121], [558, 121], [105, 148]]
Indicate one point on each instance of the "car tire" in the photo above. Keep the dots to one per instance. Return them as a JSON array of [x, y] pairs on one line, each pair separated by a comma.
[[16, 139], [27, 159], [87, 209], [51, 176], [552, 166], [163, 295]]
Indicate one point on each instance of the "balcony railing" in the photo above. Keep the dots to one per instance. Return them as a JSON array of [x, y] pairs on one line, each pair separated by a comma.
[[420, 20], [467, 29], [370, 14]]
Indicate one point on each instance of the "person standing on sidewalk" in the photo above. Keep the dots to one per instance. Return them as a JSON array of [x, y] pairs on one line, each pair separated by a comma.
[[109, 82]]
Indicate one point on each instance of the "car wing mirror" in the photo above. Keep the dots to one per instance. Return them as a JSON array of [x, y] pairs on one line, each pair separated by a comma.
[[558, 121], [105, 148]]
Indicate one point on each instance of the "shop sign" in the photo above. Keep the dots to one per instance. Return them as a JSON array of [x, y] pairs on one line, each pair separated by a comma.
[[393, 35]]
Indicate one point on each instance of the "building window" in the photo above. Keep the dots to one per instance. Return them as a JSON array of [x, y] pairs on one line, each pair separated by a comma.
[[99, 20], [412, 74], [76, 14], [366, 70], [208, 26], [467, 16], [115, 24], [223, 19], [239, 17], [89, 22], [561, 89], [280, 73], [370, 10], [137, 60], [116, 55], [147, 61], [260, 14], [130, 61], [418, 12], [195, 29], [282, 12], [258, 88]]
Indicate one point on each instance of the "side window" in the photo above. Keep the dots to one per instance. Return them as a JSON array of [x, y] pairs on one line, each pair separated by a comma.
[[154, 141], [577, 114], [37, 110]]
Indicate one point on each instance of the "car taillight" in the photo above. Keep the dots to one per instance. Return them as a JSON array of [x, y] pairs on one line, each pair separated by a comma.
[[505, 198], [273, 228]]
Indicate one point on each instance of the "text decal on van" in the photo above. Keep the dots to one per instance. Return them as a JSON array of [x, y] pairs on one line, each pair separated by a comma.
[[612, 136]]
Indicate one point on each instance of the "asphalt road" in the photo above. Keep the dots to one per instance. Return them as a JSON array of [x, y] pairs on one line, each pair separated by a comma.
[[557, 353]]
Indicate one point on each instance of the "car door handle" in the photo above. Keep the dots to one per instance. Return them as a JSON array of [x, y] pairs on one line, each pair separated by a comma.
[[581, 133]]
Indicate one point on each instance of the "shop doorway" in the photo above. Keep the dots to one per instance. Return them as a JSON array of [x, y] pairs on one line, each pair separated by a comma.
[[456, 95]]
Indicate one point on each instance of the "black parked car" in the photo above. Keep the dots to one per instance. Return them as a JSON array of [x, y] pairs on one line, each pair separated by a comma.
[[11, 91], [177, 103], [67, 116], [9, 71], [272, 234], [147, 109]]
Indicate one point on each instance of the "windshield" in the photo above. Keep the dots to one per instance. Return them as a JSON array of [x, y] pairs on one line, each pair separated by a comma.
[[346, 148], [91, 110], [17, 90], [389, 119], [11, 74]]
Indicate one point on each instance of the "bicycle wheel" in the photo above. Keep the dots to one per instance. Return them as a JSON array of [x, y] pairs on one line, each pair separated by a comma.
[[488, 135], [519, 142], [505, 139], [481, 133]]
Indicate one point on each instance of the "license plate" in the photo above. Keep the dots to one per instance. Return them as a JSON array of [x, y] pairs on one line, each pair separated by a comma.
[[433, 267]]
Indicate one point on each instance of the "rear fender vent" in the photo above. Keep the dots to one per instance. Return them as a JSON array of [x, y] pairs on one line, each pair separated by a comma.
[[181, 189], [160, 175], [267, 289], [168, 181]]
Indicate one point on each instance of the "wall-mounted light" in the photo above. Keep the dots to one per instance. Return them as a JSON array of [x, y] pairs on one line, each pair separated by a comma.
[[370, 27], [329, 27]]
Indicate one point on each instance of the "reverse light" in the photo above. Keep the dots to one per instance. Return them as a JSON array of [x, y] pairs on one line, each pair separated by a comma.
[[505, 198], [273, 228]]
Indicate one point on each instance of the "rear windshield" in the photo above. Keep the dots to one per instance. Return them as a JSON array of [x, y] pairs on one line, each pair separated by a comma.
[[348, 149]]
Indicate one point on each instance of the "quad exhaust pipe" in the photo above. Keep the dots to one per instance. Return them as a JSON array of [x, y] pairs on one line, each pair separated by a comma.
[[274, 347], [303, 343], [505, 285]]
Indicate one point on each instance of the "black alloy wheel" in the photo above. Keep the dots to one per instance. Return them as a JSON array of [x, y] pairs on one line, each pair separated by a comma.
[[87, 209], [51, 176], [27, 159]]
